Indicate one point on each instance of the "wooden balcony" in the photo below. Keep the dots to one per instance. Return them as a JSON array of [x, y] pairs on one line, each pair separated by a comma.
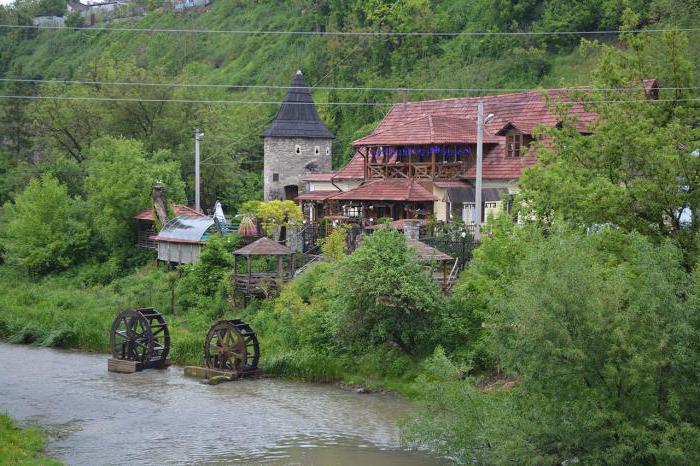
[[418, 171]]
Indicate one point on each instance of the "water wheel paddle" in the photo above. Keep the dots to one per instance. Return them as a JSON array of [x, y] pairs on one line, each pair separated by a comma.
[[231, 345], [140, 335]]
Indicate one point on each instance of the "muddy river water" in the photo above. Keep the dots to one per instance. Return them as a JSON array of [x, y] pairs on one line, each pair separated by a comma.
[[160, 417]]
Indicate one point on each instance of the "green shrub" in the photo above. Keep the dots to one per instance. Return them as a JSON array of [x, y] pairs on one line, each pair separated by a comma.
[[45, 229], [600, 335]]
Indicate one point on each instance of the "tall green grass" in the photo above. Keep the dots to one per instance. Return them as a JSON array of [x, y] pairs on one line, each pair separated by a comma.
[[62, 311], [22, 446]]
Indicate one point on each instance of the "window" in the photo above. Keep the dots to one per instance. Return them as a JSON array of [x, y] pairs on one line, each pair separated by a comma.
[[353, 211], [317, 150], [514, 144], [328, 150], [297, 149], [275, 177]]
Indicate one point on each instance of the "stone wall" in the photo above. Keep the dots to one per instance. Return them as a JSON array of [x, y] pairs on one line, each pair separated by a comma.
[[281, 158]]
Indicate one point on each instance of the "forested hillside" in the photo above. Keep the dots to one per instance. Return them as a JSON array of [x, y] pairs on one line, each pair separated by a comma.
[[55, 136]]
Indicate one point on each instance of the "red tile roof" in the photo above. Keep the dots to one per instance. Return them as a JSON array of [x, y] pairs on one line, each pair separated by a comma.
[[498, 166], [315, 195], [387, 190], [524, 110], [149, 214], [427, 129], [354, 170]]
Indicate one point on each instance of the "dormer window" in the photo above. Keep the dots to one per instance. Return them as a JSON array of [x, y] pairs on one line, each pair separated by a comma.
[[514, 144], [297, 149]]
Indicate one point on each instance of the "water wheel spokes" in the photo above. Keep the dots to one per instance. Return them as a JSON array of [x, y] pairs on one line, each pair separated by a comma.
[[131, 337], [231, 346], [159, 333], [140, 335]]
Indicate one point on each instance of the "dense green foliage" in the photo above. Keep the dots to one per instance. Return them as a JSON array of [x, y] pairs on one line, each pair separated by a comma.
[[640, 168], [62, 131], [602, 336], [372, 313], [585, 317], [590, 310], [44, 228], [21, 446]]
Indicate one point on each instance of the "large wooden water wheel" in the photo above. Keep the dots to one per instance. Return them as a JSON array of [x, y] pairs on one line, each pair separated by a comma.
[[140, 335], [231, 346]]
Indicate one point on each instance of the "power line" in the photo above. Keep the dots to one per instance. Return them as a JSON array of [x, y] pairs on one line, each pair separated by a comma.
[[357, 104], [349, 33], [337, 88]]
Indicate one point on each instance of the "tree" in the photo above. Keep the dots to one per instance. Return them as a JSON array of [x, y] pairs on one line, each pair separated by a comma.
[[640, 167], [386, 297], [45, 229], [120, 177], [279, 214], [602, 340]]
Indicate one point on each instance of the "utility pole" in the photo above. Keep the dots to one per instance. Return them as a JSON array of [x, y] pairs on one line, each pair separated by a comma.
[[197, 138], [479, 164]]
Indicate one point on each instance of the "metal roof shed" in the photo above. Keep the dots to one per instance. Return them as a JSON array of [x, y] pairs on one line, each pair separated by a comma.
[[182, 238]]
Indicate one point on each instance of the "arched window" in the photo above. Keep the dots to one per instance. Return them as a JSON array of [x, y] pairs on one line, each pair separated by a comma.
[[297, 149], [317, 150], [328, 150]]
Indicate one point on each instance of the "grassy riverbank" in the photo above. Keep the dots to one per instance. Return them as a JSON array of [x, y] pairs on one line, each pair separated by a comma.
[[22, 446], [70, 310]]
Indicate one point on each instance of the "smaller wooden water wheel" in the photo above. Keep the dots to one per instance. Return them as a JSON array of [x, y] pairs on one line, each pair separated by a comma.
[[140, 335], [231, 345]]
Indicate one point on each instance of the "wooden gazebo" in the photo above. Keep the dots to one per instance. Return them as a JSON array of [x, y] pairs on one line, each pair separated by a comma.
[[430, 255], [262, 283]]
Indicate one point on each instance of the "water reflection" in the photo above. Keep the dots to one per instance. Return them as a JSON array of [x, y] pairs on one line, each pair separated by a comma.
[[157, 417]]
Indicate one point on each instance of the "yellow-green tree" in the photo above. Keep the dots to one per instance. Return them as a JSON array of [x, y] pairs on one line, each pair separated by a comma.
[[279, 214]]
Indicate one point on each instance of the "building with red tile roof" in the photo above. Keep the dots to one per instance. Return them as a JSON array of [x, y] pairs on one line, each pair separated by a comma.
[[419, 150]]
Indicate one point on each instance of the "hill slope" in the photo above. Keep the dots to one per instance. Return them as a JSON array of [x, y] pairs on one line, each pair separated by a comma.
[[232, 148]]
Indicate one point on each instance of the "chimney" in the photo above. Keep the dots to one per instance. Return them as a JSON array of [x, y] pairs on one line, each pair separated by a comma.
[[160, 203]]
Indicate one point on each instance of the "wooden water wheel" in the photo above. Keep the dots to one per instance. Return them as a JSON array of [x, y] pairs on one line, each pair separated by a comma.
[[140, 335], [231, 345]]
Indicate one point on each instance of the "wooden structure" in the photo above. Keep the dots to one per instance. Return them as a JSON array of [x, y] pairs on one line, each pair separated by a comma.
[[139, 339], [444, 274], [231, 346], [262, 283]]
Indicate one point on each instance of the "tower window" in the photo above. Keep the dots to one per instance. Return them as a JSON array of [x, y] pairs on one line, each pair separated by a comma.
[[317, 150], [275, 177], [297, 149], [328, 150]]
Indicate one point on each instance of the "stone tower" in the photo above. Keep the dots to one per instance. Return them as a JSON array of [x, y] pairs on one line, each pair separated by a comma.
[[296, 143]]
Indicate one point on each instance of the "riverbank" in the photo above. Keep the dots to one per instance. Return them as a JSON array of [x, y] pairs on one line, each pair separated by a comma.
[[22, 446], [71, 311], [165, 418]]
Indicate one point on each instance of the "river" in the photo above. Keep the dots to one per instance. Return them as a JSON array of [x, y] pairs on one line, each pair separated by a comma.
[[95, 417]]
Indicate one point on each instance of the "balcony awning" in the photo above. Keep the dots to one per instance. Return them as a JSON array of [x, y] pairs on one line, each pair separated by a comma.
[[468, 195]]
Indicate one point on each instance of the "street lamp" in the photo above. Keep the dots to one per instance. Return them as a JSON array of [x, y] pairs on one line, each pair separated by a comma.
[[480, 122]]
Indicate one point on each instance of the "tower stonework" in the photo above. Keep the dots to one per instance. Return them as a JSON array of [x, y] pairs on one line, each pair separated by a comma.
[[296, 143]]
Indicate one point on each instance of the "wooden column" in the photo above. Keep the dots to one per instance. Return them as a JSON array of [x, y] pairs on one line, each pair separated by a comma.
[[235, 271], [249, 272], [432, 161]]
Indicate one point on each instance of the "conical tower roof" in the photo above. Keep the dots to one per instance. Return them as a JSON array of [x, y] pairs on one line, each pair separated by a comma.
[[298, 116]]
